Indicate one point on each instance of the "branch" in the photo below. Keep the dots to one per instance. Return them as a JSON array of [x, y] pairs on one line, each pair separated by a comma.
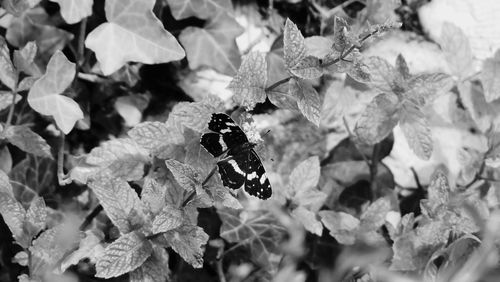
[[278, 83], [193, 193], [62, 178], [90, 217]]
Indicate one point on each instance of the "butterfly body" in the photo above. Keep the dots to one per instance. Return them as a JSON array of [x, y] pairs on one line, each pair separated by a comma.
[[240, 165]]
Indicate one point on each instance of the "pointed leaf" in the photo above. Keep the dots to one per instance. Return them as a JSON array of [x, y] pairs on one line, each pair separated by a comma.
[[424, 88], [8, 75], [202, 9], [416, 130], [457, 50], [305, 176], [490, 77], [121, 40], [249, 83], [188, 177], [33, 176], [382, 74], [378, 119], [217, 38], [22, 137], [45, 95], [118, 199], [24, 60], [402, 67], [294, 45], [283, 96], [6, 99], [438, 190], [193, 115], [308, 219], [374, 216], [156, 137], [36, 217], [74, 11], [188, 242], [308, 102], [169, 218], [308, 68], [124, 255], [342, 226], [13, 214], [154, 269], [5, 186]]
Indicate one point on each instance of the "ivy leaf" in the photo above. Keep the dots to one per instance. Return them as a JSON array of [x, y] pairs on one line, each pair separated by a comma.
[[157, 137], [416, 130], [6, 99], [36, 217], [8, 75], [188, 241], [379, 119], [169, 218], [457, 50], [121, 157], [74, 11], [250, 82], [217, 38], [308, 219], [296, 60], [118, 199], [120, 40], [25, 139], [155, 268], [258, 230], [45, 95], [188, 177], [123, 255], [203, 9], [13, 214], [24, 61], [342, 226], [308, 100], [490, 77]]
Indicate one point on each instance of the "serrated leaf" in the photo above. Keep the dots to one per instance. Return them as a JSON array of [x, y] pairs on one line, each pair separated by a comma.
[[192, 115], [5, 186], [342, 226], [490, 77], [6, 99], [156, 137], [121, 157], [202, 9], [308, 219], [283, 96], [402, 67], [188, 242], [13, 214], [382, 74], [374, 216], [378, 119], [258, 230], [216, 38], [342, 37], [188, 177], [308, 101], [424, 88], [169, 218], [249, 83], [74, 11], [90, 247], [438, 190], [153, 194], [118, 199], [416, 130], [8, 75], [294, 47], [457, 50], [154, 269], [305, 176], [123, 255], [121, 40], [196, 155], [46, 97], [36, 216], [25, 139]]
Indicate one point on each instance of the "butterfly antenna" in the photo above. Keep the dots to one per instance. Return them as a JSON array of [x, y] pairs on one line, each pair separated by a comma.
[[269, 130]]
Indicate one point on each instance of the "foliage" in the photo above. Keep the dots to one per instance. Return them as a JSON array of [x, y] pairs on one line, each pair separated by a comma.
[[102, 175]]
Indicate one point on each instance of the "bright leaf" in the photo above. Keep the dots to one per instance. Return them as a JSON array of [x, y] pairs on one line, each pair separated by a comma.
[[188, 242], [308, 100], [250, 81], [169, 218], [342, 226], [378, 119], [155, 268], [25, 139], [416, 130], [202, 9], [217, 38], [5, 186], [6, 99], [123, 255], [13, 214], [45, 95], [74, 11], [457, 50], [8, 75], [122, 40], [24, 60], [308, 219], [193, 115], [156, 137], [36, 217], [490, 77], [187, 176]]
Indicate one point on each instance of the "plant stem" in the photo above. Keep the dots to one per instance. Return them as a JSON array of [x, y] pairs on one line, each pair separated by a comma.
[[61, 177], [193, 193], [354, 143], [11, 109], [374, 167], [81, 42], [90, 217], [278, 83]]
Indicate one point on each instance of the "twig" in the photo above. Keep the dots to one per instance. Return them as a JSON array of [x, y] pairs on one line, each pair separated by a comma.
[[81, 42], [61, 176], [278, 83], [90, 217], [193, 193], [417, 180]]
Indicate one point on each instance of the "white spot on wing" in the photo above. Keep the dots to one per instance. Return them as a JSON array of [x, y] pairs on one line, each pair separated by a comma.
[[230, 124], [252, 175], [225, 130], [235, 166], [263, 178], [222, 143]]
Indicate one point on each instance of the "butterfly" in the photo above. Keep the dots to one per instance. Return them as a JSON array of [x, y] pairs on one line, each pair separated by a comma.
[[240, 164]]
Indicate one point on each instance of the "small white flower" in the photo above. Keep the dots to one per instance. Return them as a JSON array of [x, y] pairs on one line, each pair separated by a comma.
[[252, 132]]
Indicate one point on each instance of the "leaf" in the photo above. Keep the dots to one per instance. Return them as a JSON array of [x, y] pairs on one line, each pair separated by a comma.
[[192, 115], [188, 241], [13, 214], [74, 11], [8, 75], [156, 137], [169, 218], [24, 60], [342, 36], [283, 96], [374, 216], [308, 102], [154, 269], [308, 68], [33, 176], [318, 46], [342, 226], [305, 176], [457, 50], [123, 255], [22, 137], [249, 83], [89, 247], [258, 230], [402, 67], [121, 157], [118, 199], [308, 219], [416, 131], [188, 177], [378, 119], [382, 74], [45, 95], [6, 99], [36, 217], [216, 38], [121, 40], [18, 7], [202, 9], [424, 88], [438, 190], [5, 186], [490, 77]]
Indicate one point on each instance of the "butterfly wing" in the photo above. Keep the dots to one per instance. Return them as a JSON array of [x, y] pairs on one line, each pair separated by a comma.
[[213, 143], [231, 133], [231, 174], [256, 181]]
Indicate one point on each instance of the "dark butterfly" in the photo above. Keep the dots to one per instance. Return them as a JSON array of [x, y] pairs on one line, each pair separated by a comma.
[[241, 164]]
